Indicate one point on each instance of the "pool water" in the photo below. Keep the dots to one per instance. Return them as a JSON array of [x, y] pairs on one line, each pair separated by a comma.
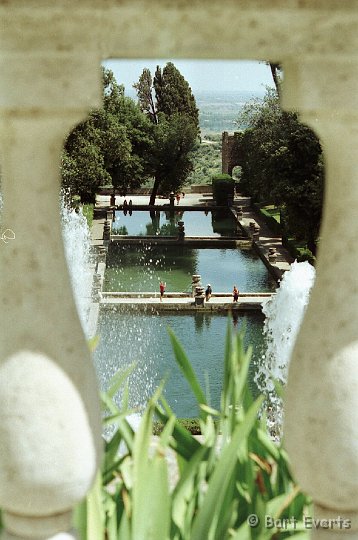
[[142, 270], [142, 338], [165, 223]]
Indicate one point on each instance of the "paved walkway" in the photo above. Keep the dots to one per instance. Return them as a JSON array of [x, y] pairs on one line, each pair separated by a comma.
[[97, 232], [175, 302], [267, 238], [190, 199]]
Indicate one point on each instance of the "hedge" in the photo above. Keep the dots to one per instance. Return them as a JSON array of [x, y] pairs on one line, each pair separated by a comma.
[[223, 189]]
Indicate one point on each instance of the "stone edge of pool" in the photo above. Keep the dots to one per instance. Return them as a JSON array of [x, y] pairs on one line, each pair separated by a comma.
[[180, 303]]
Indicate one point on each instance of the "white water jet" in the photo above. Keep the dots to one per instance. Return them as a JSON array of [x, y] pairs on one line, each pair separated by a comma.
[[77, 242], [284, 313]]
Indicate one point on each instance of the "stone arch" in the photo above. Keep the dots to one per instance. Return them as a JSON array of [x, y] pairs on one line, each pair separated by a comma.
[[230, 152]]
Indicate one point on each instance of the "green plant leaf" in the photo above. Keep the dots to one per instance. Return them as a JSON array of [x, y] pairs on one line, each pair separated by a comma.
[[118, 380], [209, 512], [151, 502], [184, 490], [280, 391], [182, 442], [186, 368], [243, 533], [89, 516]]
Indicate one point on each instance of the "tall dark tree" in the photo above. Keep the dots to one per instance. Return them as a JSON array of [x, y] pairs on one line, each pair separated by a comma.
[[173, 94], [282, 163], [168, 102], [144, 88], [174, 137]]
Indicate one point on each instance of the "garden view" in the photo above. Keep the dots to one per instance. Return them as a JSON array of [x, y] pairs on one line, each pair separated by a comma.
[[227, 470]]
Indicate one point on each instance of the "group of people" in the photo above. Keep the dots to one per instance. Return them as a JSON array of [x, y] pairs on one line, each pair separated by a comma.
[[127, 207], [209, 292], [126, 204]]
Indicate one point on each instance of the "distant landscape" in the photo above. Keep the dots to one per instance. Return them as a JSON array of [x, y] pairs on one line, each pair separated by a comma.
[[218, 110]]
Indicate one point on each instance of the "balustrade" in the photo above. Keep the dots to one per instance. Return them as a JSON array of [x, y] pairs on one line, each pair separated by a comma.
[[50, 441], [321, 422]]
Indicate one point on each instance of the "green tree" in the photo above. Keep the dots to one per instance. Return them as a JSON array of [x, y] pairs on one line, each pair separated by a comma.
[[174, 140], [282, 162], [83, 168], [173, 94], [111, 147], [169, 104], [144, 88]]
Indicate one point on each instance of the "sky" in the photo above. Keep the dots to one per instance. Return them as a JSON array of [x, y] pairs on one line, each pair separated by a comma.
[[202, 75]]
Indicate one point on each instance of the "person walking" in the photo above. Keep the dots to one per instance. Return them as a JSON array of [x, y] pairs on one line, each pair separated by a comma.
[[162, 286], [178, 198], [235, 293], [208, 292]]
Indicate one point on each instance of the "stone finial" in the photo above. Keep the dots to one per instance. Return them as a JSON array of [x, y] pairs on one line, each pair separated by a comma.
[[49, 466], [195, 282], [107, 230], [272, 255], [199, 295]]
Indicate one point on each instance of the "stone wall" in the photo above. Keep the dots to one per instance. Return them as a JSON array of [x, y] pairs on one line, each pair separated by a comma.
[[230, 154]]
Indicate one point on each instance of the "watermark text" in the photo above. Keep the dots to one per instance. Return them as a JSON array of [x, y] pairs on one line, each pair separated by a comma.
[[292, 523]]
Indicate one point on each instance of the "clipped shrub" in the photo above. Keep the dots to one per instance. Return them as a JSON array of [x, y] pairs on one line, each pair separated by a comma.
[[305, 254], [270, 220], [223, 189], [297, 251], [75, 201]]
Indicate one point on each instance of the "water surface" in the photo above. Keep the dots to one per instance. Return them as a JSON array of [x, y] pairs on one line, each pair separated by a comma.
[[142, 338], [165, 223], [141, 268]]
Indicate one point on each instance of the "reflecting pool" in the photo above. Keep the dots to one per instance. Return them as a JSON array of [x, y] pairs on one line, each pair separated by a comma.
[[165, 223], [142, 338], [141, 268]]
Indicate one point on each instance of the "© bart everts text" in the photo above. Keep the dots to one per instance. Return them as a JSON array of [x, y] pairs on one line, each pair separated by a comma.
[[6, 235], [307, 522]]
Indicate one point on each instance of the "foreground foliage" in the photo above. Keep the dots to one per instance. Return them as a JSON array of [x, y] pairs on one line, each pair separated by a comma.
[[232, 472]]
